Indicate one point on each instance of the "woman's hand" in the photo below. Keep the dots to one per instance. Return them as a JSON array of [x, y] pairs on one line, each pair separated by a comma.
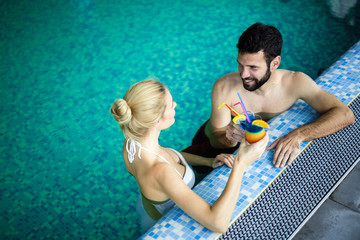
[[248, 153], [222, 158]]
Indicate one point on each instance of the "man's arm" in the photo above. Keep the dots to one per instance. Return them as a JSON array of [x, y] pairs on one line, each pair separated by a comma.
[[219, 118], [335, 115]]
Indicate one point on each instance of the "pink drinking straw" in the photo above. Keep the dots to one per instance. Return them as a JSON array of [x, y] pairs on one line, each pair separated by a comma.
[[243, 108], [230, 108]]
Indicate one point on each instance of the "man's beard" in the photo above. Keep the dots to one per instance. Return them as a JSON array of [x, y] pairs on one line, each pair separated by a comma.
[[258, 83]]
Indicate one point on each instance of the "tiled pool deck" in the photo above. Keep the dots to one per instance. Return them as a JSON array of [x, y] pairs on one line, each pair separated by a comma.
[[342, 79]]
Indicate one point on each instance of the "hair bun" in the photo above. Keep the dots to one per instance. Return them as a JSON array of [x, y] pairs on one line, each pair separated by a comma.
[[121, 111]]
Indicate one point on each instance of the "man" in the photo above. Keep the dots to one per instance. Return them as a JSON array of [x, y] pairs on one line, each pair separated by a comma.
[[266, 91]]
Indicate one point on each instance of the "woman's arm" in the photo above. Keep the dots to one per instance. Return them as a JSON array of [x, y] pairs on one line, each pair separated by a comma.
[[217, 216]]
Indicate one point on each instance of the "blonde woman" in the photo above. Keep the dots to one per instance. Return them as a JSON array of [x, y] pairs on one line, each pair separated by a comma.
[[163, 174]]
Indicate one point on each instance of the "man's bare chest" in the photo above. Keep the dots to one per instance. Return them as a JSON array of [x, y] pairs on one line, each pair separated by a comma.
[[267, 107]]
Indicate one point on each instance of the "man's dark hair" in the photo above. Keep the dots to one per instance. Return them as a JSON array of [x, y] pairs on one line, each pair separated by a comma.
[[261, 37]]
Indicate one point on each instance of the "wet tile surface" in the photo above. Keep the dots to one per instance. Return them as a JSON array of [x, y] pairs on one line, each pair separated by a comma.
[[348, 193], [339, 216], [332, 221]]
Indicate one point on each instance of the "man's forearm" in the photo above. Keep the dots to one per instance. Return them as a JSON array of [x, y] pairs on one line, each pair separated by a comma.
[[328, 123], [196, 160]]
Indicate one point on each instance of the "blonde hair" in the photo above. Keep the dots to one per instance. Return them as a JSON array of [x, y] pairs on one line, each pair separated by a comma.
[[141, 108]]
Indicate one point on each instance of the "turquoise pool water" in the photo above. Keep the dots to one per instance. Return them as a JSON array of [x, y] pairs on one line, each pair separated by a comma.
[[63, 63]]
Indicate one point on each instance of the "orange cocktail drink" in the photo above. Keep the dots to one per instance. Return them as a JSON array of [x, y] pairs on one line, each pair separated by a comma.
[[254, 131]]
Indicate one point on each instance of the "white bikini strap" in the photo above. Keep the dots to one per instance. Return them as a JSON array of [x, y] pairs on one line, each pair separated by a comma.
[[131, 149]]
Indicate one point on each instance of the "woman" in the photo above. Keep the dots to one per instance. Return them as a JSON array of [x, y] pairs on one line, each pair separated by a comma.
[[163, 174]]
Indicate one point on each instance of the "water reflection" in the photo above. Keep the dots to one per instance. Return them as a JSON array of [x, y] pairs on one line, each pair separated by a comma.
[[348, 10]]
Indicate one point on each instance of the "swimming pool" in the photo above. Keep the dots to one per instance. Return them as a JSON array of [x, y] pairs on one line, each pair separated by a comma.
[[64, 63]]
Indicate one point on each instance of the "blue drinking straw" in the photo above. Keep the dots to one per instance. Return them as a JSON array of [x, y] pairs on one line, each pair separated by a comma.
[[243, 108]]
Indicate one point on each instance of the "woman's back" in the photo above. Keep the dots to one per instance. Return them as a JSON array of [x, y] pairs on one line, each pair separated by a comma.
[[148, 166]]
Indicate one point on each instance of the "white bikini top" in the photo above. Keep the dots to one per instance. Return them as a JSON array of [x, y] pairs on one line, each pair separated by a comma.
[[189, 176]]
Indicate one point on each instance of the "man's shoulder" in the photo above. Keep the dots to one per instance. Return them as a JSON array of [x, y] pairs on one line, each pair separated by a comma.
[[296, 83], [292, 75], [288, 77], [228, 80], [224, 86], [285, 74]]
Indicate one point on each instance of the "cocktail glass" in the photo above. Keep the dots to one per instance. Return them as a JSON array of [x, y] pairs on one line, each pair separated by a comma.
[[253, 133]]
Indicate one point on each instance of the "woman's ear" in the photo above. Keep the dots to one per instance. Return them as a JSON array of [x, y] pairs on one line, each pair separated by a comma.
[[275, 63], [158, 123]]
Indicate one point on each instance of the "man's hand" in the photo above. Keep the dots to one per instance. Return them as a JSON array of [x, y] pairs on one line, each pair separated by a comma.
[[234, 132], [286, 149]]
